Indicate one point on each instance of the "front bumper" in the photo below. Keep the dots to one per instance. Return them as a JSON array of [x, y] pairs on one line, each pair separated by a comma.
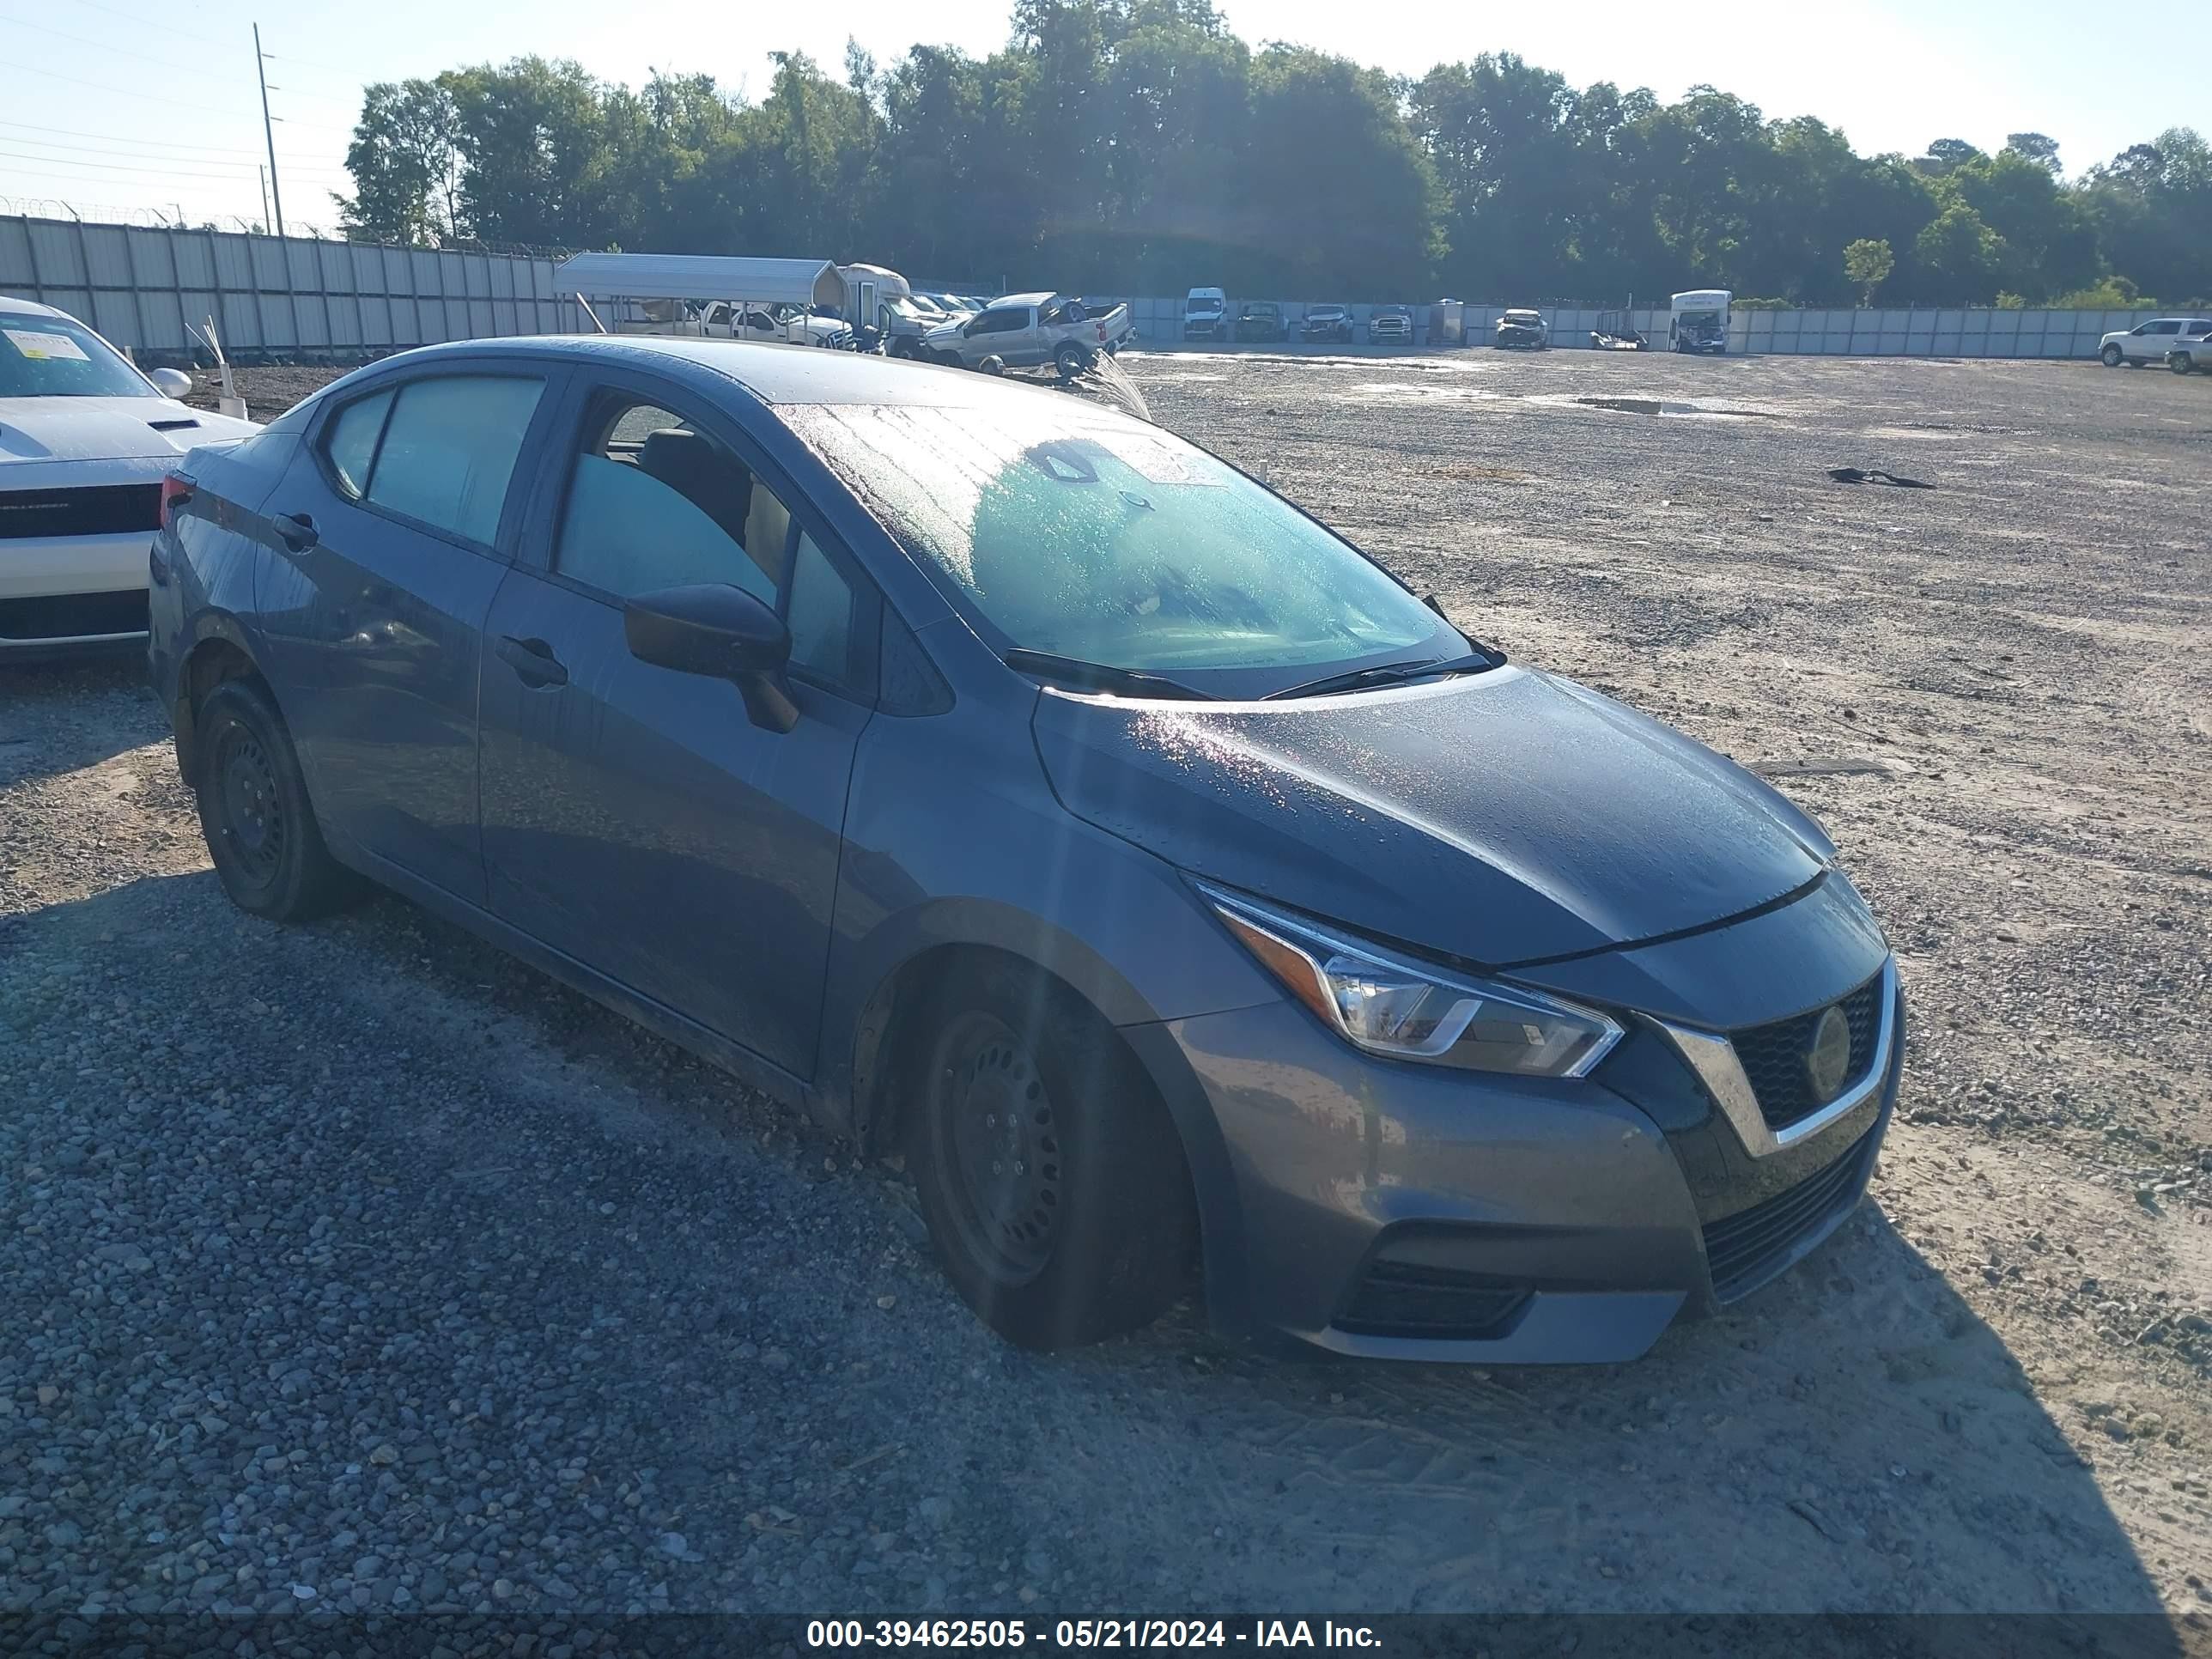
[[1410, 1211], [64, 594]]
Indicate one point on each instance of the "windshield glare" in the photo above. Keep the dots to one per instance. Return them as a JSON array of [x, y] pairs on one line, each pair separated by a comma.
[[1081, 533], [60, 357]]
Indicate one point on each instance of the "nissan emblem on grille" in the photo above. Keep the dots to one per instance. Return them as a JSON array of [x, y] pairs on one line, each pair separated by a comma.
[[1828, 1055]]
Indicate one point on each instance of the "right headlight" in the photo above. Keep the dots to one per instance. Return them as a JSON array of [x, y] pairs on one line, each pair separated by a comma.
[[1389, 1004]]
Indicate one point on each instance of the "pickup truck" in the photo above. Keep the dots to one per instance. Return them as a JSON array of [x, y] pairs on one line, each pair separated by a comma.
[[1024, 330], [1326, 323], [2155, 342], [1390, 325], [1262, 319]]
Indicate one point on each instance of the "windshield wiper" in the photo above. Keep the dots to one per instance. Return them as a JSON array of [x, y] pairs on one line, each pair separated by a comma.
[[1099, 675], [1384, 673]]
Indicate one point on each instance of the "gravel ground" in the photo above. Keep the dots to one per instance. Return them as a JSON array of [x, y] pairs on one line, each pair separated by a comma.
[[355, 1267]]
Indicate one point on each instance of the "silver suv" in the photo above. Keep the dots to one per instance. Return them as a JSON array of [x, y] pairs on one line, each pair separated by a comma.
[[2151, 342]]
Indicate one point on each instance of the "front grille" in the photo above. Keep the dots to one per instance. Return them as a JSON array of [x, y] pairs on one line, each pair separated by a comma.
[[1773, 1055], [1410, 1299], [1745, 1249], [94, 510], [72, 616]]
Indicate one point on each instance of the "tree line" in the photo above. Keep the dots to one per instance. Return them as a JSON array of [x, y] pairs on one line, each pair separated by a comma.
[[1139, 146]]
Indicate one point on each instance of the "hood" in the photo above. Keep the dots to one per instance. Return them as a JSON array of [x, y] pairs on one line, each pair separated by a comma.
[[107, 428], [1499, 817], [947, 332]]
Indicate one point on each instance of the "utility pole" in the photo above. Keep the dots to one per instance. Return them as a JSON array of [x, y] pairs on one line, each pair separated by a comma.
[[264, 172], [269, 132]]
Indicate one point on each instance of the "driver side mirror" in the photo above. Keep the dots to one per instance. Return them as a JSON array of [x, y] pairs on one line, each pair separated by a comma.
[[720, 632], [170, 382]]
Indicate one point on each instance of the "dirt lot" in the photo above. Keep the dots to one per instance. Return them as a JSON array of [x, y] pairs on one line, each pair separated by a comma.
[[355, 1266]]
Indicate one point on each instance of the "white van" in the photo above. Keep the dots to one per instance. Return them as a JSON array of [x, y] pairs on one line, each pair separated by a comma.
[[1206, 315], [1700, 321]]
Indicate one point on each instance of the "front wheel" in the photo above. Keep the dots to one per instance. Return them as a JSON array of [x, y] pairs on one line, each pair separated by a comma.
[[2179, 362], [1050, 1177], [260, 827], [2111, 354]]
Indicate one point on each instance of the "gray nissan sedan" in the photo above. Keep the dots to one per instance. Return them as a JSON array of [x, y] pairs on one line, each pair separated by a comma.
[[1018, 787]]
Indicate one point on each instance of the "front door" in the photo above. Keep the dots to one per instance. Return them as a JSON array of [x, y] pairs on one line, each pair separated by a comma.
[[391, 515], [634, 818]]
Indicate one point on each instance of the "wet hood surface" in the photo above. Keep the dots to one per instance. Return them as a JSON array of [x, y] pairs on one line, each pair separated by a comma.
[[1499, 817], [106, 429]]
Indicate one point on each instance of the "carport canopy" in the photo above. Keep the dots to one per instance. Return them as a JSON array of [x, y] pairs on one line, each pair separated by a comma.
[[699, 276]]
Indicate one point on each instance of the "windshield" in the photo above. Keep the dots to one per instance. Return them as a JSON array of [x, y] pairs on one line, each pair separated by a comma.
[[60, 357], [1079, 532]]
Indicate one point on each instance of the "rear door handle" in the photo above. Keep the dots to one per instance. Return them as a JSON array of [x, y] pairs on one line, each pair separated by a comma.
[[532, 661], [296, 531]]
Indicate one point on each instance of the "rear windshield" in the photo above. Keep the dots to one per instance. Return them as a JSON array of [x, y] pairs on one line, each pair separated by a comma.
[[60, 357], [1077, 532]]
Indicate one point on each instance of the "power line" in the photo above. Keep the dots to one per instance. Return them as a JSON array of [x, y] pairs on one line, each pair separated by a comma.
[[226, 149], [298, 164], [130, 93], [102, 46], [115, 167], [144, 22]]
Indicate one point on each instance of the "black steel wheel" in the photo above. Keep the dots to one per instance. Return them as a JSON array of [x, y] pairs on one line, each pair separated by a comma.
[[260, 826], [1049, 1172], [1006, 1159], [250, 805]]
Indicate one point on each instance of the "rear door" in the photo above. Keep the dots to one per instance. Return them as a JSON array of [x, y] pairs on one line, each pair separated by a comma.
[[395, 520], [634, 818]]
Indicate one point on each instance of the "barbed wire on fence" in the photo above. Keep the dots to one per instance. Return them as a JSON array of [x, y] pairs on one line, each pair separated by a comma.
[[148, 218]]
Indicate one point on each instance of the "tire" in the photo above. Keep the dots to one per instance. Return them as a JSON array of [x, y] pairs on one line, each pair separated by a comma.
[[2179, 362], [1070, 359], [1068, 1218], [901, 349], [2112, 355], [260, 827]]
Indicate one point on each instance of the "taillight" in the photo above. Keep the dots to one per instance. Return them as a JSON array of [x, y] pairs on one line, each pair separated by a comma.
[[1101, 334], [176, 490]]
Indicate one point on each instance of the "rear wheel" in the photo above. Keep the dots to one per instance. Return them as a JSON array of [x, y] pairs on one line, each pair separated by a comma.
[[2179, 362], [1071, 360], [1048, 1171], [260, 827]]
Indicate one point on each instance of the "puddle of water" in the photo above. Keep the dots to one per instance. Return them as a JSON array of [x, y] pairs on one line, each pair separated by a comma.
[[1661, 406]]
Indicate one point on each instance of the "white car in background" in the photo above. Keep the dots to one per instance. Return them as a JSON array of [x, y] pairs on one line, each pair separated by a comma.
[[85, 441], [2150, 342]]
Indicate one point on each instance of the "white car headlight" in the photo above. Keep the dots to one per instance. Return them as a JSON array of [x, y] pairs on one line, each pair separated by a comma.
[[1389, 1004]]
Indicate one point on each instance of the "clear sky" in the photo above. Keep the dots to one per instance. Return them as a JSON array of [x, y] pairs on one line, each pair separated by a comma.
[[151, 104]]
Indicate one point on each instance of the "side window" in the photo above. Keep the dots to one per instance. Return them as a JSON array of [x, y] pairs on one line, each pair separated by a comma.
[[449, 449], [351, 440], [1001, 322], [653, 502], [821, 613], [2166, 328]]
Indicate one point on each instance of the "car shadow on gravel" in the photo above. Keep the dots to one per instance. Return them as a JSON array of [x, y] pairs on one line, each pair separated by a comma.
[[61, 717], [1852, 1437], [581, 1265]]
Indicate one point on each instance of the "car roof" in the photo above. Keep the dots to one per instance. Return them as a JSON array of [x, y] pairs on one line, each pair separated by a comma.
[[30, 307], [1022, 300], [772, 373]]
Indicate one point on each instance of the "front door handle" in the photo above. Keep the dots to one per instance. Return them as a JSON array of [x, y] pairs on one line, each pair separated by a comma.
[[532, 661], [296, 531]]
